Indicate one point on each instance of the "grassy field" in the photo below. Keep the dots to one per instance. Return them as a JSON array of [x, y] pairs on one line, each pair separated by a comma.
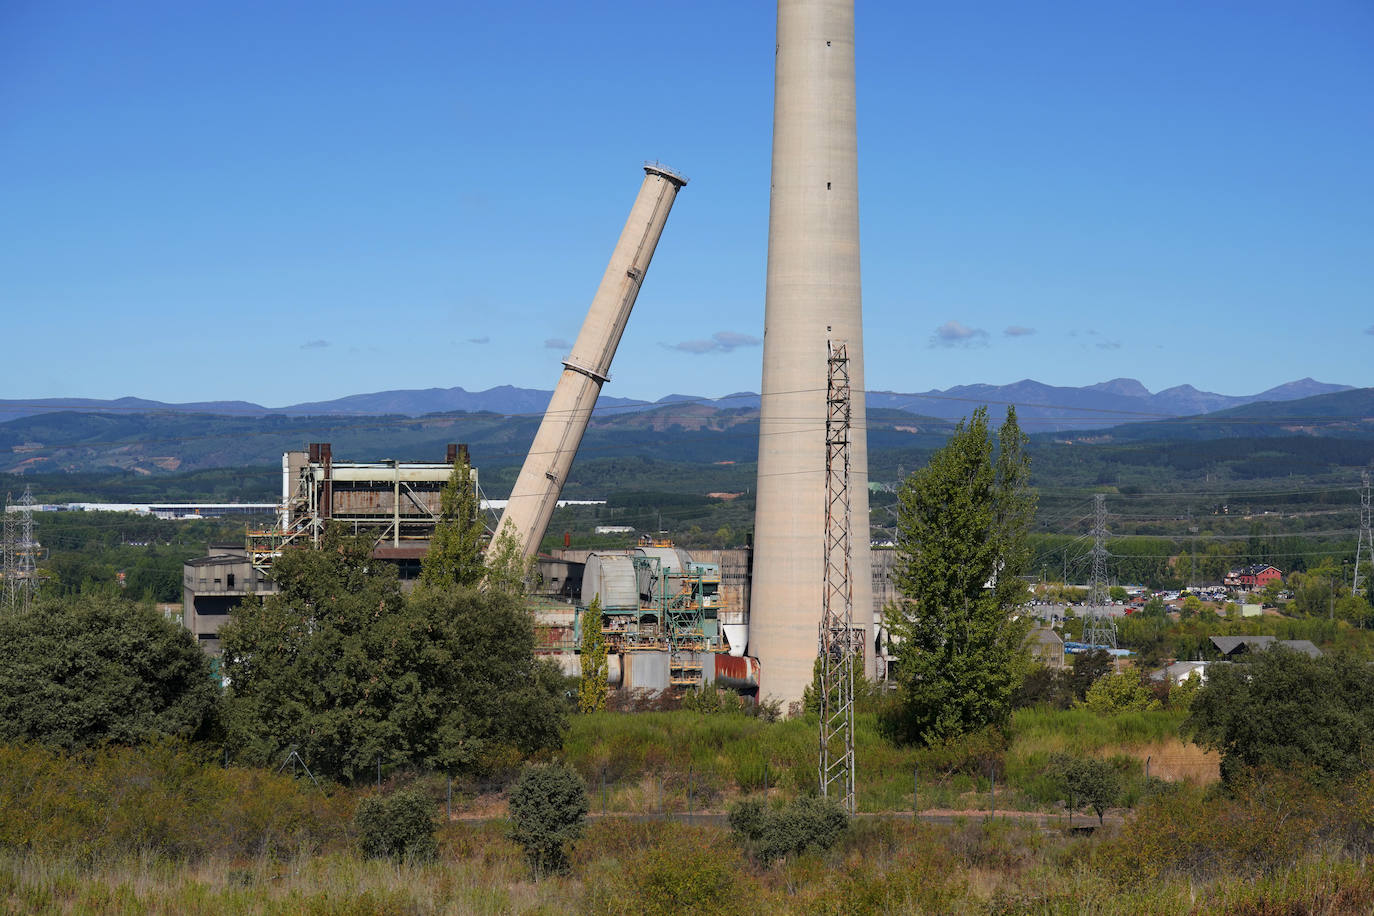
[[669, 761], [166, 829], [628, 867]]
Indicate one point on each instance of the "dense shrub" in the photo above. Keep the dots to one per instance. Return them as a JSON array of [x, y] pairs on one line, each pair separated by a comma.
[[1284, 710], [160, 800], [399, 827], [1267, 823], [83, 671], [1045, 686], [807, 823], [548, 808], [1114, 693], [972, 754]]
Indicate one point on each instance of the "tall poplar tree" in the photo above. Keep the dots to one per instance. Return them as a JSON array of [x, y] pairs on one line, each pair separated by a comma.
[[962, 545], [591, 691], [455, 550]]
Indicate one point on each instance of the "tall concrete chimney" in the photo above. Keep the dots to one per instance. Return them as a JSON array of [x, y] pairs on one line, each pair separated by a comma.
[[536, 490], [813, 296]]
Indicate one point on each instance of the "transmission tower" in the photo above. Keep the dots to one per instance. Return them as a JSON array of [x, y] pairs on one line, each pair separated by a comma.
[[1364, 550], [1100, 627], [840, 645], [26, 569], [11, 550]]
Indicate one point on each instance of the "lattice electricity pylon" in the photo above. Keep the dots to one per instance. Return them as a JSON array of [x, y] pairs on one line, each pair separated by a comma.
[[1100, 627], [1364, 550], [11, 556], [28, 552], [840, 647]]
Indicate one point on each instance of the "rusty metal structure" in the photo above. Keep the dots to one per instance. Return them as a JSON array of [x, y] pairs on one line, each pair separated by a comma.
[[664, 615], [394, 502], [841, 647]]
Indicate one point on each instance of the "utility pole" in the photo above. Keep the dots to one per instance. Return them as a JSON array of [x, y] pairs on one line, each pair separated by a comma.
[[1366, 542], [1100, 628], [839, 642]]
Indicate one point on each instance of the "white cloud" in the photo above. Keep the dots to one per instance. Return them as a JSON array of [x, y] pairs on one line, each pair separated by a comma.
[[719, 342], [955, 334], [557, 343], [314, 345], [479, 340], [1017, 330]]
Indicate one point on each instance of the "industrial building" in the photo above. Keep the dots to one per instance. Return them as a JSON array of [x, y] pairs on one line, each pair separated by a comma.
[[671, 619], [213, 585], [396, 503], [634, 615]]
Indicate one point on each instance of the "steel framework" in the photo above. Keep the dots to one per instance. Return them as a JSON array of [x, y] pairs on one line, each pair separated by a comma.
[[21, 553], [1100, 627], [1366, 543], [841, 646], [11, 550]]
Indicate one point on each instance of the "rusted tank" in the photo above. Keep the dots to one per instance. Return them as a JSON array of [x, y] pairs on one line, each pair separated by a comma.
[[736, 673]]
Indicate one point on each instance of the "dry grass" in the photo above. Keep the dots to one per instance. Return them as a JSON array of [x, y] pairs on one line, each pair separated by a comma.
[[1175, 761]]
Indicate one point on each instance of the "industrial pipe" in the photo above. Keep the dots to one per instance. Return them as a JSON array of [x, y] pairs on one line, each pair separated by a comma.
[[588, 367]]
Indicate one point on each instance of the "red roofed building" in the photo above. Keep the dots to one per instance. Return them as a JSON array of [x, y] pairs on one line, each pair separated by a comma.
[[1256, 576]]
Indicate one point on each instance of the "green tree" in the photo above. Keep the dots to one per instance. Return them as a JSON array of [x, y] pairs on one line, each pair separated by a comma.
[[507, 568], [1087, 781], [342, 664], [1315, 590], [548, 811], [1114, 693], [591, 691], [455, 551], [1285, 710], [1118, 594], [84, 671], [961, 540]]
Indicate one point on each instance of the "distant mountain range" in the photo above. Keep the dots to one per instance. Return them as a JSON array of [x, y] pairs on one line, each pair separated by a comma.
[[1040, 407], [708, 441]]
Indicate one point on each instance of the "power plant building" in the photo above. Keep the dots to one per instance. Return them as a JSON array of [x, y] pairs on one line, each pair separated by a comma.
[[396, 503]]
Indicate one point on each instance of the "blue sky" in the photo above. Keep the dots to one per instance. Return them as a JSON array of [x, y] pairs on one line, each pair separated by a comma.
[[285, 202]]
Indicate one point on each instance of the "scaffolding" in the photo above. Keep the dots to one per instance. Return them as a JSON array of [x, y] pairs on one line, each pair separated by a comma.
[[396, 503], [841, 644], [677, 612]]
